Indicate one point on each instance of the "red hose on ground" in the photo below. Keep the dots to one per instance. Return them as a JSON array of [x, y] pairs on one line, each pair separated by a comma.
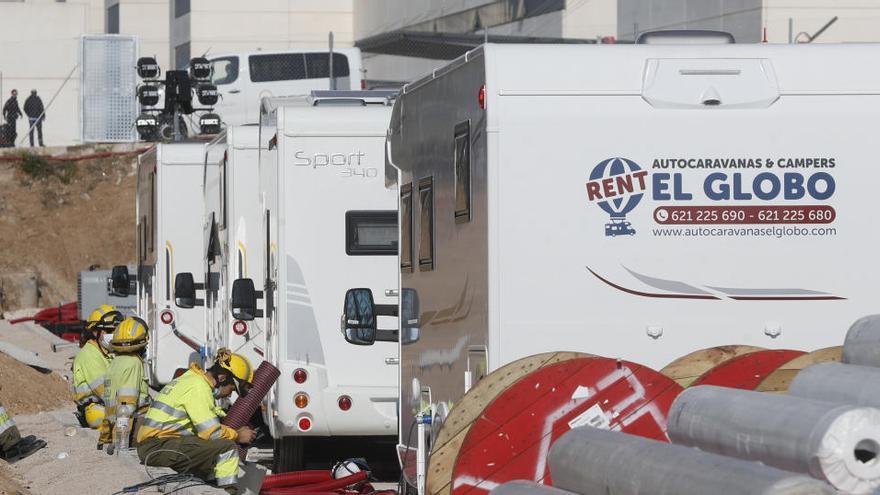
[[296, 478], [324, 487], [65, 313]]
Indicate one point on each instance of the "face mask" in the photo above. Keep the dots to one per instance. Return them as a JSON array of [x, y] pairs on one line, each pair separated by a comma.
[[217, 393], [105, 339]]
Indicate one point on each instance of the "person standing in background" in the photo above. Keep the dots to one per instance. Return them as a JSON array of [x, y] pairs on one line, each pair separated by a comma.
[[33, 108], [11, 112]]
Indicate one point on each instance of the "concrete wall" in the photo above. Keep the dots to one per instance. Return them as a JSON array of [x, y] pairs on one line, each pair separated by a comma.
[[580, 19], [221, 26], [859, 20], [40, 46], [590, 19], [148, 20], [380, 16], [742, 18]]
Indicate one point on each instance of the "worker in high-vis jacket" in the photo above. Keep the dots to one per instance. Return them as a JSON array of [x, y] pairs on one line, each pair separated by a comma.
[[182, 429], [91, 363], [12, 446], [126, 395]]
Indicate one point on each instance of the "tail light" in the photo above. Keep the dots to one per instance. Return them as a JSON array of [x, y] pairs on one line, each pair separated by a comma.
[[481, 97], [301, 400], [166, 316], [363, 84], [300, 376], [239, 327], [304, 424], [344, 403]]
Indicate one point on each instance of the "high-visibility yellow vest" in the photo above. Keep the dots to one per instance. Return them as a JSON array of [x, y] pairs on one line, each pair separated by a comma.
[[89, 368], [125, 384], [185, 407]]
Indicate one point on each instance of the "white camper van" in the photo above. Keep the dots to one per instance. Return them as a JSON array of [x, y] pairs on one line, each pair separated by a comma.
[[232, 233], [169, 242], [632, 201], [244, 79], [328, 222]]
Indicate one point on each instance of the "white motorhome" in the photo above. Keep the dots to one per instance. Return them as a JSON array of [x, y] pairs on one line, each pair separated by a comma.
[[328, 222], [631, 201], [169, 243], [244, 79], [232, 233]]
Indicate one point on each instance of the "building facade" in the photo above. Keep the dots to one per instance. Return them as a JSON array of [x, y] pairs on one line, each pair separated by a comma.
[[199, 27], [39, 49]]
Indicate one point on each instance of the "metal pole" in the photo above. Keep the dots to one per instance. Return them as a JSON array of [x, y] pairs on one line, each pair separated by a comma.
[[790, 30], [31, 128], [176, 125], [332, 79]]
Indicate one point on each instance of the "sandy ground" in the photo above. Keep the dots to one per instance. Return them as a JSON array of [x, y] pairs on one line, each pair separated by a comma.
[[63, 218], [39, 403]]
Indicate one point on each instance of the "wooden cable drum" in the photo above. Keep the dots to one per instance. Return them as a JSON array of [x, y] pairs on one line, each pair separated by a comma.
[[747, 371], [465, 412], [778, 381], [688, 368], [508, 424]]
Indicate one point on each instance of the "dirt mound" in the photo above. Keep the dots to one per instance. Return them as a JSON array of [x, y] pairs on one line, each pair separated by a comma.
[[59, 218], [11, 483], [27, 391]]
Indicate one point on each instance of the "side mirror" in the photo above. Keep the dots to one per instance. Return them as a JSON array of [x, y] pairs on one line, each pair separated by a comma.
[[244, 300], [119, 281], [359, 317], [409, 316], [184, 290]]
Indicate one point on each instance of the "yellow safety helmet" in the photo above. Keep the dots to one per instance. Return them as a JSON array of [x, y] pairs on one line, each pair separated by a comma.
[[104, 317], [238, 365], [130, 336], [94, 415]]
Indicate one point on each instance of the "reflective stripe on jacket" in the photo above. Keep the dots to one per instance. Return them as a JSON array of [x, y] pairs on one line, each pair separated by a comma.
[[184, 407], [125, 384], [89, 369]]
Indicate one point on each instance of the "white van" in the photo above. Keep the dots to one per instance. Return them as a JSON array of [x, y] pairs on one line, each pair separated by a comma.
[[642, 203], [327, 222], [244, 79]]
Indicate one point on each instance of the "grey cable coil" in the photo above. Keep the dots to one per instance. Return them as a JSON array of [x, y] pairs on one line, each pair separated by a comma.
[[526, 488], [862, 344], [839, 383], [591, 461], [791, 433]]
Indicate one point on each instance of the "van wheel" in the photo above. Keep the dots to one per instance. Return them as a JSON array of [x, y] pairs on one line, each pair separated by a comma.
[[289, 454]]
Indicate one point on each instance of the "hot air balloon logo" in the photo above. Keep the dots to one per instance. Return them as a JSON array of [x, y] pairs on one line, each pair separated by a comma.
[[617, 186]]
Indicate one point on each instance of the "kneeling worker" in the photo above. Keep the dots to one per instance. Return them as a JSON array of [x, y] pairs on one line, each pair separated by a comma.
[[91, 363], [182, 429], [126, 395]]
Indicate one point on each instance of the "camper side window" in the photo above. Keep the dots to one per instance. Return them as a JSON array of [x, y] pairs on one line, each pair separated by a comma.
[[426, 224], [406, 222], [371, 233], [462, 167]]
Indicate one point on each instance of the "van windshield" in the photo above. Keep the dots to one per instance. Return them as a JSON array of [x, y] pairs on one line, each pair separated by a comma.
[[224, 70]]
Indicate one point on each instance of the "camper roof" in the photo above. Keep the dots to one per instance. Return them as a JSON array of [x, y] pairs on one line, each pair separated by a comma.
[[363, 121], [584, 70]]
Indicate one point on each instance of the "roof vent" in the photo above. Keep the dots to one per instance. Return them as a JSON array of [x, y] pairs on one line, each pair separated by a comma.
[[685, 37]]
